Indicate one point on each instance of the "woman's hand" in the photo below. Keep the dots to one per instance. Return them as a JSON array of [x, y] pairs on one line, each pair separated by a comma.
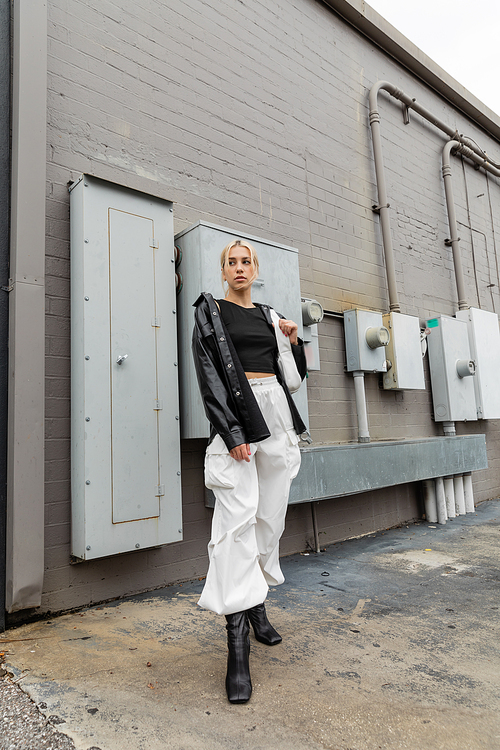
[[289, 328], [241, 452]]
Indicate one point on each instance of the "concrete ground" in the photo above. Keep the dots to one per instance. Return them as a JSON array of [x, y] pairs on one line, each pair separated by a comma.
[[389, 641]]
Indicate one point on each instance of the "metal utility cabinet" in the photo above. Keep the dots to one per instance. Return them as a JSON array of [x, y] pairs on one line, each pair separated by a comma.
[[404, 352], [126, 485], [484, 341], [451, 367]]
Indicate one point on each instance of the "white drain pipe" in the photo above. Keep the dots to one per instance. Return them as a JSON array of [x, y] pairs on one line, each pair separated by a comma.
[[458, 485], [449, 492], [430, 501], [442, 516], [468, 493], [359, 392], [448, 497]]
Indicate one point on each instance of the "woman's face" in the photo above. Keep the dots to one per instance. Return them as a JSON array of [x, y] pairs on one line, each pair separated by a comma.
[[239, 271]]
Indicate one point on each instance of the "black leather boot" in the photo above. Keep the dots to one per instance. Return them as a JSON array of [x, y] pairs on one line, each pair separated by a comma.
[[238, 682], [264, 631]]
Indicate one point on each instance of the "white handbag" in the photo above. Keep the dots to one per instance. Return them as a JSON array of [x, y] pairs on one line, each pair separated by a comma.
[[286, 360]]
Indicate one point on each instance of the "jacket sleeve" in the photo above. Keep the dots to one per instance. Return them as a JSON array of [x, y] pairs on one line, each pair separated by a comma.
[[219, 405]]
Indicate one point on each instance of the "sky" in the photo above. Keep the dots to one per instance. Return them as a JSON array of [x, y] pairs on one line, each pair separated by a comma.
[[459, 35]]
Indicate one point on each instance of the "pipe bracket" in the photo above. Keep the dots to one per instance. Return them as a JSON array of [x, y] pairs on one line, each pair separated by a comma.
[[377, 209]]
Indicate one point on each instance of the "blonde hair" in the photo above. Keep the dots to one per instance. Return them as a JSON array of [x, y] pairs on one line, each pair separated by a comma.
[[239, 243]]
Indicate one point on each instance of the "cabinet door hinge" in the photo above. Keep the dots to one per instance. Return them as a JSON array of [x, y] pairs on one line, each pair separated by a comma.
[[160, 490]]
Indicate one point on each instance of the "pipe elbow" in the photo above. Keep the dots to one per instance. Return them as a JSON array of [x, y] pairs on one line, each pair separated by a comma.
[[449, 146], [374, 91]]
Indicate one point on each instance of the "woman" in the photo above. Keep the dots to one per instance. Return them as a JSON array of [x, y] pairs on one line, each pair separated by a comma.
[[252, 456]]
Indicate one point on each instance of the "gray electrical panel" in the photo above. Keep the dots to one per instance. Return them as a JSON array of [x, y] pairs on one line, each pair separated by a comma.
[[484, 341], [125, 445], [365, 341], [404, 352], [278, 285], [452, 370]]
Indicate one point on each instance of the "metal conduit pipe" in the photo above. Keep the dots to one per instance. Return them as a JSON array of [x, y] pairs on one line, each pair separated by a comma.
[[452, 222], [359, 392], [382, 208], [467, 147], [425, 113], [478, 159], [457, 147], [449, 429]]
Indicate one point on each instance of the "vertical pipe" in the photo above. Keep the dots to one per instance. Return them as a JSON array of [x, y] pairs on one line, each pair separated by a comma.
[[383, 204], [449, 429], [467, 147], [315, 527], [468, 493], [430, 501], [440, 501], [452, 222], [4, 279], [458, 485], [26, 436], [449, 493], [359, 391]]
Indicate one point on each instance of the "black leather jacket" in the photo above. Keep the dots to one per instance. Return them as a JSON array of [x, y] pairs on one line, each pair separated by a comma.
[[228, 398]]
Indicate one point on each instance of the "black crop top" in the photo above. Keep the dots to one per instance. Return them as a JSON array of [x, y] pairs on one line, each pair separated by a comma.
[[254, 341]]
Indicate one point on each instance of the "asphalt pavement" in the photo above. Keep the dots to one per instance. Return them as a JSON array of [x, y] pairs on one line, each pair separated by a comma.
[[390, 641]]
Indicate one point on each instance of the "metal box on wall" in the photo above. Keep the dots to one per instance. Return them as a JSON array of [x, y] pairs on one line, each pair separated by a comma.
[[450, 366], [484, 341], [404, 352], [360, 355], [125, 447], [278, 285]]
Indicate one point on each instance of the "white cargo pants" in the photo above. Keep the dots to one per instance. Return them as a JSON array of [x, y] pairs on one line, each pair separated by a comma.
[[250, 508]]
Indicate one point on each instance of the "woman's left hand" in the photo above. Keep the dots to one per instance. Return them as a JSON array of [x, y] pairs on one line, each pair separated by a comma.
[[289, 328]]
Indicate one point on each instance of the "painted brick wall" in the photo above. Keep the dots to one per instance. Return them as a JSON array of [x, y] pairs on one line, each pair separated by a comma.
[[254, 115]]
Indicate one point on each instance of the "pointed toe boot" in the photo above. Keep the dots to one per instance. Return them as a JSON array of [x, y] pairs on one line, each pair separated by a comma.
[[238, 682], [264, 631]]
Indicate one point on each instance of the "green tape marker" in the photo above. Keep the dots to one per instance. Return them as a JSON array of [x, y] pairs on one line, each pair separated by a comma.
[[433, 323]]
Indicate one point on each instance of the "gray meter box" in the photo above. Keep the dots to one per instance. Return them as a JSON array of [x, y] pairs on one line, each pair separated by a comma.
[[484, 341], [404, 352], [360, 356], [125, 444], [278, 285], [449, 355]]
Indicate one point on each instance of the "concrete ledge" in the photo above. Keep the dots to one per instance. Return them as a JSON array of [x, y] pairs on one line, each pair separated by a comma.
[[336, 470], [329, 471]]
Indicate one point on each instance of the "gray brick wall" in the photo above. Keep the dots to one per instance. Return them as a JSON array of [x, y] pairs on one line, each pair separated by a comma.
[[255, 115]]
